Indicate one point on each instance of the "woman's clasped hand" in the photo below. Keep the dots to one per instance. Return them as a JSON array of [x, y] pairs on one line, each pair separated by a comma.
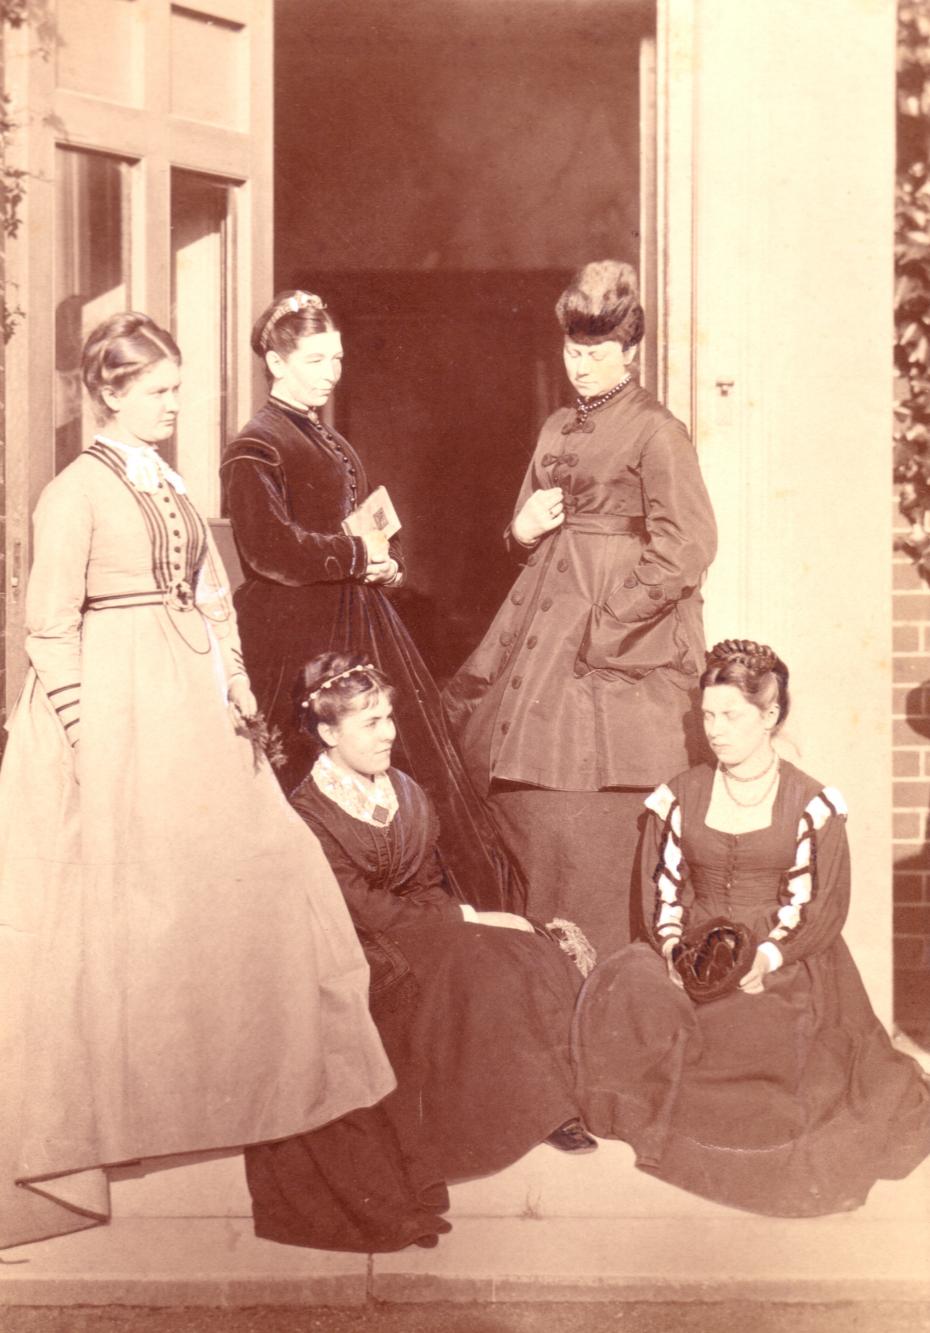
[[380, 567], [542, 512]]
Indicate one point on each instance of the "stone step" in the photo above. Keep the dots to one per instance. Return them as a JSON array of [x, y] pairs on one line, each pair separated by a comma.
[[551, 1228]]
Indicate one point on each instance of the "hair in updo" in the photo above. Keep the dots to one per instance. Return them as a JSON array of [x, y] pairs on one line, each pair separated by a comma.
[[291, 316], [601, 304], [121, 348], [334, 684], [755, 669]]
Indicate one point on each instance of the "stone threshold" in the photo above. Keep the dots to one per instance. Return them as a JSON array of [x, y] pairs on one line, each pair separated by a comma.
[[219, 1262], [550, 1228]]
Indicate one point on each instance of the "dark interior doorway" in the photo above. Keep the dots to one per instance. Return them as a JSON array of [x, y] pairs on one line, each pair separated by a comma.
[[441, 167]]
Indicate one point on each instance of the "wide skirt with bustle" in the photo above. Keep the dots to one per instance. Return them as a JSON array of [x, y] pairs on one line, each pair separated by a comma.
[[179, 971]]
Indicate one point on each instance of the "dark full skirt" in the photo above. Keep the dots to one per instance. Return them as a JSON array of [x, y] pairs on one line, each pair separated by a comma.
[[791, 1103], [478, 1035], [577, 853]]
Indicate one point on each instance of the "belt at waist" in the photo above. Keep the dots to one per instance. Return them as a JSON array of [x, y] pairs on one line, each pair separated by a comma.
[[177, 598], [606, 523]]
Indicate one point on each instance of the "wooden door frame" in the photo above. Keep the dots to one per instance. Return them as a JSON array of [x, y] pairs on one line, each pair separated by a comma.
[[673, 262]]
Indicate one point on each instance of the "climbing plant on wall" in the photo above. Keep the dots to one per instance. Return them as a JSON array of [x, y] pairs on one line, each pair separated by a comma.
[[37, 16], [912, 278]]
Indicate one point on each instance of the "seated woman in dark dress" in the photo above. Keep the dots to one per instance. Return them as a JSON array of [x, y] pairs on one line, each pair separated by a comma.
[[784, 1095], [474, 1008]]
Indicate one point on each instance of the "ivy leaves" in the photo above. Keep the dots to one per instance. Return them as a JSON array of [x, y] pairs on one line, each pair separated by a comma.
[[912, 279]]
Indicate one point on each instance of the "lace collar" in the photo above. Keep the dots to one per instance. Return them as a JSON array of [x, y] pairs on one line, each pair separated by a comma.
[[145, 468], [372, 803]]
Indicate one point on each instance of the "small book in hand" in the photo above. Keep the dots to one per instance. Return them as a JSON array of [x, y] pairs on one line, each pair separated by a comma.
[[376, 514]]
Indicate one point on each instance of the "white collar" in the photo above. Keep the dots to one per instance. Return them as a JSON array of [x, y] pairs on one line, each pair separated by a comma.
[[145, 468], [372, 803], [283, 401]]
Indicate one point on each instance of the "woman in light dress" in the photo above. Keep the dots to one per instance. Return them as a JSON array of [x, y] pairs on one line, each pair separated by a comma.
[[179, 971]]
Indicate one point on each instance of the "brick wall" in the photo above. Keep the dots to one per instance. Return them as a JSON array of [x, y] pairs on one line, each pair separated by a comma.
[[911, 797]]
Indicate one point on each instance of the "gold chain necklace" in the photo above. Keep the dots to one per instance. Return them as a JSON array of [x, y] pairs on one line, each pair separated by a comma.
[[746, 805]]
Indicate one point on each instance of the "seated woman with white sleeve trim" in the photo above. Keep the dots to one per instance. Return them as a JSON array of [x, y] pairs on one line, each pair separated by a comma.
[[735, 1048]]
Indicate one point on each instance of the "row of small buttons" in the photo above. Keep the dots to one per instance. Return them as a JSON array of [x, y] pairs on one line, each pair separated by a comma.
[[508, 637], [345, 459], [175, 532]]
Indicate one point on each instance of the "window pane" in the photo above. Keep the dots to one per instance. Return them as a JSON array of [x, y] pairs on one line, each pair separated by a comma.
[[99, 48], [201, 240], [91, 277]]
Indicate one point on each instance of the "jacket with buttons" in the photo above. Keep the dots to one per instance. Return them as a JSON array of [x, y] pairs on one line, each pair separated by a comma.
[[287, 489], [587, 676]]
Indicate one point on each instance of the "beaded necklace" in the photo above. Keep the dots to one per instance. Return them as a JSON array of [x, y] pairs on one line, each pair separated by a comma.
[[585, 406]]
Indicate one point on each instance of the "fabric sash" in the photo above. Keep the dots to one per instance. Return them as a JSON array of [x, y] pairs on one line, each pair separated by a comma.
[[608, 524]]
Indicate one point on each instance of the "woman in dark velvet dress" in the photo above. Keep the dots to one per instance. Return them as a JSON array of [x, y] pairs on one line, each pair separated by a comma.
[[289, 483], [785, 1095], [474, 1008]]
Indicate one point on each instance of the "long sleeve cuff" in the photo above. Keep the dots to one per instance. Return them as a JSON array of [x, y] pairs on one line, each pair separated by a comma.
[[359, 558], [66, 701], [773, 954], [515, 546]]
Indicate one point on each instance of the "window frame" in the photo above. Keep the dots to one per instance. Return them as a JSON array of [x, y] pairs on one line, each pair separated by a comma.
[[153, 139]]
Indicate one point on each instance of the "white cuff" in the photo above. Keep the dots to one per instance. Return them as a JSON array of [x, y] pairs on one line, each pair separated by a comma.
[[773, 954], [527, 546], [468, 912]]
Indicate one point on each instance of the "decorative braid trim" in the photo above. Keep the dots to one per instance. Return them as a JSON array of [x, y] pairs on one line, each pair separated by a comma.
[[668, 874], [660, 801], [800, 882]]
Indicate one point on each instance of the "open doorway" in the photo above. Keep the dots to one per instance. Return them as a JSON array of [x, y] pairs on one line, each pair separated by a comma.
[[441, 167]]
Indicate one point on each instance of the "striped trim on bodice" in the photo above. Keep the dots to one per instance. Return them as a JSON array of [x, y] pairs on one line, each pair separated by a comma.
[[177, 533]]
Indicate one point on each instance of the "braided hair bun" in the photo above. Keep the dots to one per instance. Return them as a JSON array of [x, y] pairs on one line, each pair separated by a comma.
[[754, 669]]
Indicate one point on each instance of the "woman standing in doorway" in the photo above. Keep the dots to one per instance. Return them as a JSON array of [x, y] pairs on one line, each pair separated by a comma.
[[290, 482], [577, 697], [179, 971]]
